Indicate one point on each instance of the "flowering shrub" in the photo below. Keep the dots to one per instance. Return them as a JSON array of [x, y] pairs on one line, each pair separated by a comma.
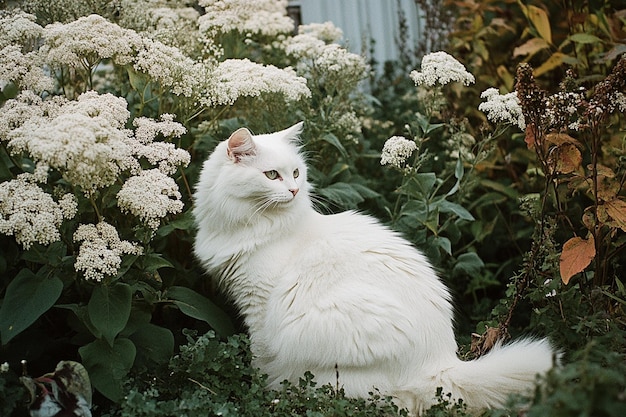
[[109, 108]]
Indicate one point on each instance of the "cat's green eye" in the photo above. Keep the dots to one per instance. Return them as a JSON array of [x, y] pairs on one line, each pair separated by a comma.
[[296, 173], [272, 175]]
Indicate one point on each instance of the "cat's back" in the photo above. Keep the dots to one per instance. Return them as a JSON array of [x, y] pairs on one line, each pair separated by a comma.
[[357, 245]]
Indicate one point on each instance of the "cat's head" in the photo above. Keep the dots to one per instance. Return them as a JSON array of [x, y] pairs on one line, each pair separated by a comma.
[[264, 172]]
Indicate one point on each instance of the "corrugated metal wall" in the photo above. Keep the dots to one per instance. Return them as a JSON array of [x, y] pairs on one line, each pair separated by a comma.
[[361, 20]]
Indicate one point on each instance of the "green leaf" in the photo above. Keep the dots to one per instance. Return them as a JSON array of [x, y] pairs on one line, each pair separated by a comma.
[[183, 222], [342, 194], [584, 38], [420, 185], [153, 261], [199, 307], [459, 171], [27, 297], [83, 315], [109, 309], [444, 243], [446, 206], [333, 140], [154, 342], [468, 264], [108, 364], [46, 255]]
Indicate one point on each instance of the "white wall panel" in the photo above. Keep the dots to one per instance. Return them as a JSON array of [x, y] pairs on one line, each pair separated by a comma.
[[361, 20]]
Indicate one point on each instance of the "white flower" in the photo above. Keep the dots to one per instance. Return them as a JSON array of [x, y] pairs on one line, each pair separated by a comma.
[[262, 17], [502, 107], [147, 129], [88, 40], [15, 112], [325, 59], [396, 151], [150, 196], [236, 78], [4, 367], [165, 155], [441, 68], [85, 142], [29, 213], [168, 66], [326, 31], [19, 29], [101, 250], [23, 69]]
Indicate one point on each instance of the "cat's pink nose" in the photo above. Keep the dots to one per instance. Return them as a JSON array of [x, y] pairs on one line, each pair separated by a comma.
[[294, 191]]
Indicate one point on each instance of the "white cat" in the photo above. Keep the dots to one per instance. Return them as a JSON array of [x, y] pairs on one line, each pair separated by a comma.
[[337, 293]]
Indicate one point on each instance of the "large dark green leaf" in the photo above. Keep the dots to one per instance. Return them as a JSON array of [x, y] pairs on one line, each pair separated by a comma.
[[108, 364], [199, 307], [109, 309], [342, 194], [154, 342], [28, 296]]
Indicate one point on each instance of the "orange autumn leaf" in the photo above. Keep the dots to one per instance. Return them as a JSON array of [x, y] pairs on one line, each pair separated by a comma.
[[568, 158], [577, 254]]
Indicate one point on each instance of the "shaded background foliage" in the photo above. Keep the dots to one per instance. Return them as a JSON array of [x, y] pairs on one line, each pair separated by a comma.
[[500, 257]]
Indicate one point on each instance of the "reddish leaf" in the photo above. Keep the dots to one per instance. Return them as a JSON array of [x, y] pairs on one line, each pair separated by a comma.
[[568, 158], [529, 138], [577, 254]]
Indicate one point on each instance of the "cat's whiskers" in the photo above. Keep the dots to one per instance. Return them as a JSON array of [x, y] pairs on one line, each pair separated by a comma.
[[261, 206]]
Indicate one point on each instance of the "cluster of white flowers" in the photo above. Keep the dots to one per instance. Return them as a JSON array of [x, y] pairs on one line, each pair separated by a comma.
[[30, 214], [85, 141], [15, 112], [19, 29], [173, 26], [150, 196], [262, 17], [350, 123], [441, 68], [168, 66], [396, 150], [23, 69], [162, 154], [91, 38], [236, 78], [101, 249], [503, 108], [313, 52], [148, 129], [327, 31]]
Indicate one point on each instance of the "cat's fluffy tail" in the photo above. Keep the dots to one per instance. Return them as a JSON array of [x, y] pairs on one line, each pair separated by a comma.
[[486, 382]]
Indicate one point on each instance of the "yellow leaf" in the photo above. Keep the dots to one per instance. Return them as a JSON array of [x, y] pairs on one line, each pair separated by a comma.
[[531, 47], [540, 21], [616, 209], [555, 60], [577, 254]]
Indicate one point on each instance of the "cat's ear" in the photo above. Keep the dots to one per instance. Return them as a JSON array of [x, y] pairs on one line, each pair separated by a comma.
[[292, 133], [240, 144]]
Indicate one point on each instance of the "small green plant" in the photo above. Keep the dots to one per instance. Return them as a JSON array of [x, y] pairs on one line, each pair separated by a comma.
[[215, 377]]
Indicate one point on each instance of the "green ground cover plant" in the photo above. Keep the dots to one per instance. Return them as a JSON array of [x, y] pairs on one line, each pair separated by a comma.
[[503, 159]]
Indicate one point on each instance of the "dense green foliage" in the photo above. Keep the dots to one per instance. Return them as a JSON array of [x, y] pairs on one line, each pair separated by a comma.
[[527, 226]]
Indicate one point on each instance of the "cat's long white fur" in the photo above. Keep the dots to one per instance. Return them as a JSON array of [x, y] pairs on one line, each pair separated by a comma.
[[337, 293]]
